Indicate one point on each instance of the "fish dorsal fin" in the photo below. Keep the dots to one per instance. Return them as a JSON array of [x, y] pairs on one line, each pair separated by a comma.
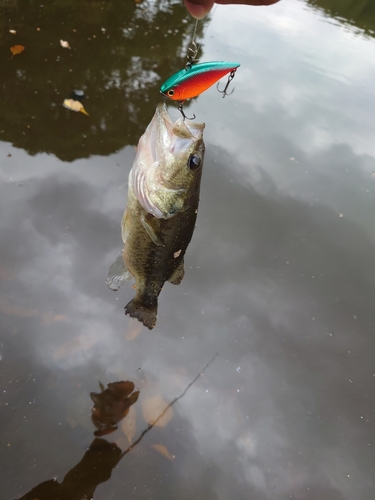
[[152, 228], [177, 274], [118, 274]]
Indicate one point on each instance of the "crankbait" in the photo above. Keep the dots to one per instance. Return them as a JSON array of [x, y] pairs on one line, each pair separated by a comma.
[[195, 79]]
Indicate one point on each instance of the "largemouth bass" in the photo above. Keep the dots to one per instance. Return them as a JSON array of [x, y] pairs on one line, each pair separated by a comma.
[[162, 207]]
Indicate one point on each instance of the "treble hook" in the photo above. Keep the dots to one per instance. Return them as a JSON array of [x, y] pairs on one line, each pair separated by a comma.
[[192, 54], [230, 78], [181, 110]]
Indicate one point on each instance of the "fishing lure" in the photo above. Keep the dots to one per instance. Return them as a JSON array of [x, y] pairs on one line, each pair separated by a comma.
[[196, 78]]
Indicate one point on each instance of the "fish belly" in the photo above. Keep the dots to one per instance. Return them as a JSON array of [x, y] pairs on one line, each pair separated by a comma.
[[153, 264]]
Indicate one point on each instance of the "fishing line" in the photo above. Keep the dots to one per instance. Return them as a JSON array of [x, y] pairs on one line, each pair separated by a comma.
[[195, 30], [206, 28], [197, 77], [154, 422]]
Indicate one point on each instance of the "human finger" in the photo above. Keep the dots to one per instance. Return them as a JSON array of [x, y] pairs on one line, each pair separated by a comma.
[[199, 8]]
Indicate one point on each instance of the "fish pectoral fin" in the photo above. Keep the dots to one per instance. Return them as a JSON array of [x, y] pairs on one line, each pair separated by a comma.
[[125, 226], [177, 274], [117, 274], [175, 205], [152, 228]]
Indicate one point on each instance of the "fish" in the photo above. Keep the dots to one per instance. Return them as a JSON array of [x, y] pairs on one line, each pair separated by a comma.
[[160, 216], [195, 79]]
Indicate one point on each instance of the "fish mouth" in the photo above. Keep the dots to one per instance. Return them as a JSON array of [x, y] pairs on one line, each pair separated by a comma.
[[164, 135], [163, 149]]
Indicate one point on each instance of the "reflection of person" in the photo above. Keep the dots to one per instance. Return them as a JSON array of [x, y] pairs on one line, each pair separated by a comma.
[[82, 480], [200, 8], [111, 405]]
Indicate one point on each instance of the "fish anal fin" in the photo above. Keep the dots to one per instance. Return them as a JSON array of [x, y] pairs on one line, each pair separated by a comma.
[[118, 274], [146, 314], [152, 228], [178, 274]]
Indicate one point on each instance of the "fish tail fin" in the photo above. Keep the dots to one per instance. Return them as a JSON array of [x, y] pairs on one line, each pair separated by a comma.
[[146, 313]]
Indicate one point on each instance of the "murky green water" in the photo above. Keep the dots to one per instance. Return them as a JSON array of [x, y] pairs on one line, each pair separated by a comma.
[[279, 278]]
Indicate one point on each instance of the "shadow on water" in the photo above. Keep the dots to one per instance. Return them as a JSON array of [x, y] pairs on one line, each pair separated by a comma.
[[111, 406], [121, 51]]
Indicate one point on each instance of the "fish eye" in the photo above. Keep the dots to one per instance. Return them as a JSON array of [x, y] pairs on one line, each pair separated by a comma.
[[170, 93], [194, 162]]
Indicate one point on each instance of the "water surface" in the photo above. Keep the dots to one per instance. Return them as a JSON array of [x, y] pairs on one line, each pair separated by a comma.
[[279, 277]]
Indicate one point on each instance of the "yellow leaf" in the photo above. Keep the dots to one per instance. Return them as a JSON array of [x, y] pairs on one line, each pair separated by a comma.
[[153, 408], [74, 106], [16, 310], [17, 49], [77, 345], [129, 424], [134, 329], [50, 317], [82, 110], [64, 44], [163, 451]]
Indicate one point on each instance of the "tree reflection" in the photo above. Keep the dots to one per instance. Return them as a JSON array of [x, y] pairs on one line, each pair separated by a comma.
[[120, 54], [360, 14]]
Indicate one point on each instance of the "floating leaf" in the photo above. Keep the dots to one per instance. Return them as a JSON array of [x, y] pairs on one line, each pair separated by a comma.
[[13, 32], [74, 106], [51, 317], [153, 408], [17, 49], [77, 345], [112, 405], [163, 450], [16, 309], [134, 329], [64, 44], [106, 430], [129, 424]]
